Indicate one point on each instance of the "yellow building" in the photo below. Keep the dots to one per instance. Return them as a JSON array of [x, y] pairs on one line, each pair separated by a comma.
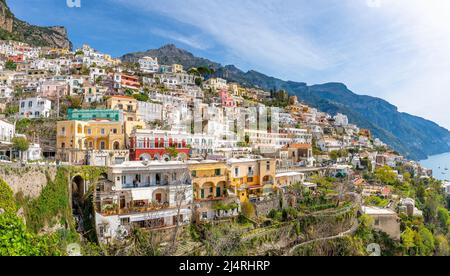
[[129, 105], [251, 177], [76, 138], [177, 68], [210, 179], [212, 196]]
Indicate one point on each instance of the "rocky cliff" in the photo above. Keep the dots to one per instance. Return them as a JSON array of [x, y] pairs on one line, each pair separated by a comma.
[[12, 28]]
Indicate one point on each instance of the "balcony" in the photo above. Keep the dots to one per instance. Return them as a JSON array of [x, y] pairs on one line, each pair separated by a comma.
[[113, 210], [212, 178], [138, 185]]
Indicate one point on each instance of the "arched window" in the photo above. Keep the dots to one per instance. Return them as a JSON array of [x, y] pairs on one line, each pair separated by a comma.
[[116, 145]]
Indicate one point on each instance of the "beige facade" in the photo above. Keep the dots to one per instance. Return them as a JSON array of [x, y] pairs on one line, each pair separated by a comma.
[[251, 177], [76, 138]]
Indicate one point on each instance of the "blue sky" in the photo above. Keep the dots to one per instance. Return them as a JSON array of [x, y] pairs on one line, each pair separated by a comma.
[[394, 49]]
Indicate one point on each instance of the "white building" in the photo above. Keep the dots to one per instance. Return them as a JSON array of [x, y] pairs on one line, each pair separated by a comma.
[[33, 108], [145, 195], [7, 132], [340, 120], [149, 64], [34, 152], [329, 144], [215, 84], [149, 112]]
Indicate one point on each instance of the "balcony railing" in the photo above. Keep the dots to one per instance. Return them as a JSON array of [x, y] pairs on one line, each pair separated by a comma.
[[145, 185]]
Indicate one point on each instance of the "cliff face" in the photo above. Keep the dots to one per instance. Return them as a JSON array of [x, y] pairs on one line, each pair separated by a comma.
[[6, 18], [12, 28]]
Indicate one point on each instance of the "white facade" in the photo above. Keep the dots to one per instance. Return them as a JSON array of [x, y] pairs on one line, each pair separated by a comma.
[[149, 112], [156, 187], [34, 152], [33, 108], [341, 120], [149, 64], [7, 132]]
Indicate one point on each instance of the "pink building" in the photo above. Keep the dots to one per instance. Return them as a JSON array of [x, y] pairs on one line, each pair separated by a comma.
[[227, 100], [51, 89]]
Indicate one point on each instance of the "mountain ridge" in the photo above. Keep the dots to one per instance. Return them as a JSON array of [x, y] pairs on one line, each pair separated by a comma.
[[413, 136], [12, 28]]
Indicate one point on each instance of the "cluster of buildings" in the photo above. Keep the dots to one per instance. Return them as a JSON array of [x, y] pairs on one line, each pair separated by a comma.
[[173, 155]]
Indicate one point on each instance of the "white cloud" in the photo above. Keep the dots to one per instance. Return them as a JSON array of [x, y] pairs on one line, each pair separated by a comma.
[[394, 49], [256, 31], [193, 41]]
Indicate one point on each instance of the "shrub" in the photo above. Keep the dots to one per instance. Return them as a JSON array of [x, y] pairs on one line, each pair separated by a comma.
[[7, 202]]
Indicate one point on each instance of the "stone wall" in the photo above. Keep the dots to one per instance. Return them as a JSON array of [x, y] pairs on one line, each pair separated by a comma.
[[30, 180], [263, 208]]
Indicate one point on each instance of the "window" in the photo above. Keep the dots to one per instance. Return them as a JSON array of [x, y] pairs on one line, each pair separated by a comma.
[[22, 104], [30, 104], [377, 222], [268, 165], [89, 131], [217, 172], [236, 172], [125, 221], [204, 215], [102, 131], [102, 145], [114, 131], [194, 173]]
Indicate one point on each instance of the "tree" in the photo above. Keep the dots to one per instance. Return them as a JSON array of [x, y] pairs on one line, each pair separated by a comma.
[[15, 239], [443, 217], [21, 144], [7, 202], [442, 247], [181, 192], [426, 242], [141, 97], [10, 65], [386, 175], [408, 242], [198, 81], [75, 102], [172, 151]]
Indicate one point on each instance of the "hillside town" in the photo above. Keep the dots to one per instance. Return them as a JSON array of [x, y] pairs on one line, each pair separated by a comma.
[[180, 147]]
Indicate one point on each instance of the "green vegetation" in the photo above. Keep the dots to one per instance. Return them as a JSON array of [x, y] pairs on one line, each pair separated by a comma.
[[376, 201], [15, 238], [7, 198], [334, 155], [226, 207], [10, 65], [141, 97], [386, 175], [52, 206]]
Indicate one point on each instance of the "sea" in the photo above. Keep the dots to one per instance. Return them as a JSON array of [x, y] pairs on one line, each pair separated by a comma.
[[440, 164]]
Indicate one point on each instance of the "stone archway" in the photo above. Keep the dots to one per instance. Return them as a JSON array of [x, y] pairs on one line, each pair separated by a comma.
[[116, 145], [145, 157], [78, 191], [78, 186]]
